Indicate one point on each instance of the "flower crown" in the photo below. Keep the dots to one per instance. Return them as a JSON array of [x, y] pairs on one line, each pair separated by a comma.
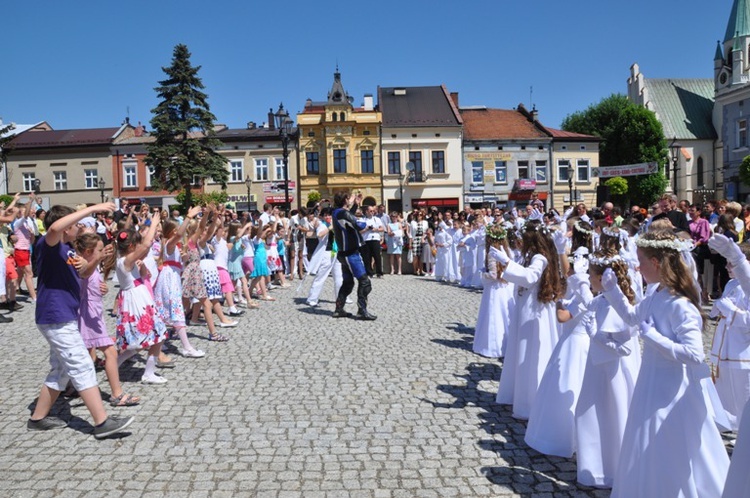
[[496, 232], [582, 226], [604, 261], [676, 244], [611, 232], [540, 227]]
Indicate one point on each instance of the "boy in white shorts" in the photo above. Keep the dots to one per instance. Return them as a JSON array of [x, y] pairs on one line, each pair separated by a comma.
[[57, 320]]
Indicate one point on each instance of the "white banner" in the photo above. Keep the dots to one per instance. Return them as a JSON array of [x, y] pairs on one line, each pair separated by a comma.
[[627, 170]]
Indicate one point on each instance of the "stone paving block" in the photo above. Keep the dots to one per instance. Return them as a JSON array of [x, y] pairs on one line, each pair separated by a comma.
[[295, 404]]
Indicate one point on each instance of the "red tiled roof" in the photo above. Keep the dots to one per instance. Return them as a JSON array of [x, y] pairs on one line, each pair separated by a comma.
[[562, 134], [63, 138], [484, 124]]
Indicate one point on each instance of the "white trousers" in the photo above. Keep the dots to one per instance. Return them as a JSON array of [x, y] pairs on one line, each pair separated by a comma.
[[327, 265]]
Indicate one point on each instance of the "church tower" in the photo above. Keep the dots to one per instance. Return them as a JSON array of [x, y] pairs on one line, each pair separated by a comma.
[[732, 64]]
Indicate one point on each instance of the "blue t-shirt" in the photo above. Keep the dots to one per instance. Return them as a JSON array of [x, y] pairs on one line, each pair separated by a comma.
[[58, 286]]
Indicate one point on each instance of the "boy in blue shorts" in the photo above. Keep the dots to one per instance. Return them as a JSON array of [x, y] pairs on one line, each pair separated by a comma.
[[59, 298]]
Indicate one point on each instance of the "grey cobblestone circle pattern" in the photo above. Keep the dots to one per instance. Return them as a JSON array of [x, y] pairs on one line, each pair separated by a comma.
[[297, 404]]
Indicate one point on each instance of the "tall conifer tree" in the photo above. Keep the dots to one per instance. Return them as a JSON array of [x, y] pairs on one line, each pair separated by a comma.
[[186, 143]]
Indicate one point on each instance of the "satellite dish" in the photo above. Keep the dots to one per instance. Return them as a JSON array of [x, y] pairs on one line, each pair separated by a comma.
[[410, 166]]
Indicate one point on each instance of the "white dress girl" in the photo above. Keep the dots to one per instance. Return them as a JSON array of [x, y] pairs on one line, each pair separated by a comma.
[[467, 256], [552, 428], [442, 260], [494, 315], [480, 237], [609, 380], [730, 351], [671, 446], [533, 336]]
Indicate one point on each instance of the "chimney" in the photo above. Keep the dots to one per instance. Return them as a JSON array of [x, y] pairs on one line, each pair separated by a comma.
[[454, 98], [271, 120], [138, 132], [308, 103], [251, 125], [534, 115], [368, 105]]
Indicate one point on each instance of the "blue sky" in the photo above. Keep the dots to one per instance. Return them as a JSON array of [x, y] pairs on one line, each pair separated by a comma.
[[83, 63]]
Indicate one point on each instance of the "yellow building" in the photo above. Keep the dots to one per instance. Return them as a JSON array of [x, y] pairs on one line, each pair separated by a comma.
[[339, 146]]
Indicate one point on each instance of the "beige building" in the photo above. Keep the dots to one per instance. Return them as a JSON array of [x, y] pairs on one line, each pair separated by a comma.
[[421, 141], [256, 166], [339, 146], [575, 159], [64, 166]]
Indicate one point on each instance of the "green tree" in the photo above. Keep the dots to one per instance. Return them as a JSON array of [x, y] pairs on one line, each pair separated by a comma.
[[185, 146], [617, 185], [632, 135], [200, 199], [745, 171], [312, 197], [5, 137]]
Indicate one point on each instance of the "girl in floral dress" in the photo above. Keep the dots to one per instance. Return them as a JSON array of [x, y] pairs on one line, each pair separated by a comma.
[[168, 289], [193, 290], [211, 273], [138, 324]]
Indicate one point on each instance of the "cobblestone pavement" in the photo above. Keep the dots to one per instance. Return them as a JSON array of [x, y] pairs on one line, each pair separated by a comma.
[[296, 404]]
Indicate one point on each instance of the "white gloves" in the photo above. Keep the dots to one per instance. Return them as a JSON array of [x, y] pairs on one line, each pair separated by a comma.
[[609, 280], [559, 237], [536, 215], [645, 328], [727, 248], [725, 306], [499, 255]]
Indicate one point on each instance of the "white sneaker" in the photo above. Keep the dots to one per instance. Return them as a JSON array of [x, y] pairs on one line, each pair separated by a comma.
[[192, 353], [270, 286], [349, 300], [233, 323], [153, 379], [312, 303]]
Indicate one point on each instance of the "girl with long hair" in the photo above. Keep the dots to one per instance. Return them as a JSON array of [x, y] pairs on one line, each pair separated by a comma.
[[139, 326], [168, 288], [610, 373], [671, 445], [533, 331]]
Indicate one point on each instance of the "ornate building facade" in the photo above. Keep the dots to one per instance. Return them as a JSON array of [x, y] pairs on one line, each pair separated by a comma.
[[339, 146]]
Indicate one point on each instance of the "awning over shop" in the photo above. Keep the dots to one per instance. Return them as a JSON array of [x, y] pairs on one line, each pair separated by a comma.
[[451, 202], [525, 195]]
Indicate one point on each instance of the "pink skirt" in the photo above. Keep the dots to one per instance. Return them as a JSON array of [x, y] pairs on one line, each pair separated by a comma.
[[248, 265], [225, 280]]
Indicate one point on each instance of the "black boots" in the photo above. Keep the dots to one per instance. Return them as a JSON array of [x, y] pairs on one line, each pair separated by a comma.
[[363, 314], [340, 312]]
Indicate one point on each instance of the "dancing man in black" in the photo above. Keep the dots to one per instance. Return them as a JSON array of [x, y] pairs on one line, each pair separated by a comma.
[[346, 230]]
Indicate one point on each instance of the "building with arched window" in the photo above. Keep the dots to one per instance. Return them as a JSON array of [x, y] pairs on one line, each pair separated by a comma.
[[339, 145]]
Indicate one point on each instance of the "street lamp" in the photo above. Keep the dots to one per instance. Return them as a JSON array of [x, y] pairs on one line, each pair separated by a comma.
[[570, 183], [674, 147], [101, 183], [248, 184], [284, 124]]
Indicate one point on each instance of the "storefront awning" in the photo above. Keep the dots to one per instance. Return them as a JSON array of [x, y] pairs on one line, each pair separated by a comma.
[[525, 195]]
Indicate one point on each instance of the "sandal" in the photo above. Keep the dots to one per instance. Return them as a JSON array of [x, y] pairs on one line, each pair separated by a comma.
[[124, 400], [252, 306], [218, 338], [267, 298]]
